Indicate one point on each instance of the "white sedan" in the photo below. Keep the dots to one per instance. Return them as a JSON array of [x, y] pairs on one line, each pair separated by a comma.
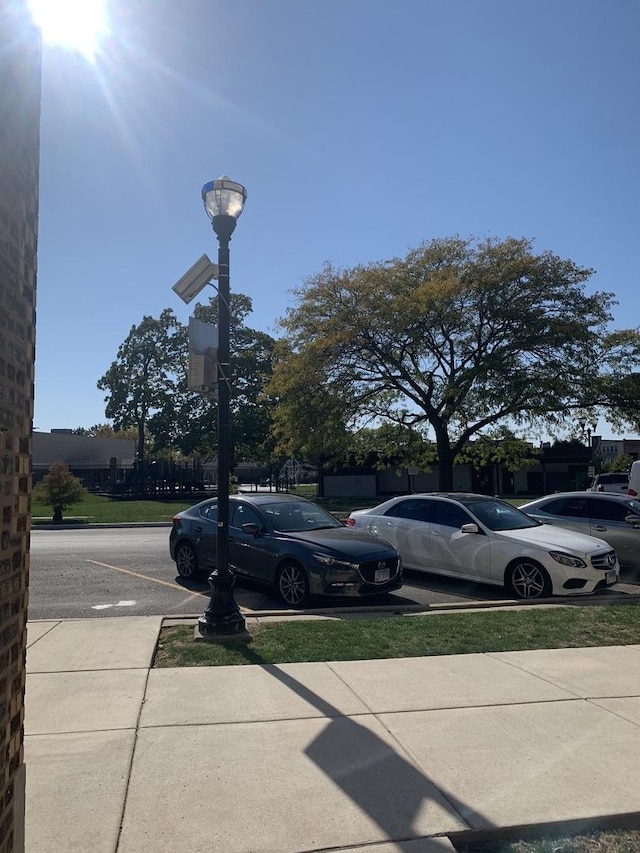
[[484, 539]]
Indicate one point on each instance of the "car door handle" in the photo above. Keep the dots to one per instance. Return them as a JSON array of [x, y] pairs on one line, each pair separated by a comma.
[[599, 527]]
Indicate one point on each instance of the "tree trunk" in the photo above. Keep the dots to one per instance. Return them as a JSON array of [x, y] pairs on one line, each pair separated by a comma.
[[445, 462], [57, 514], [140, 441], [320, 478]]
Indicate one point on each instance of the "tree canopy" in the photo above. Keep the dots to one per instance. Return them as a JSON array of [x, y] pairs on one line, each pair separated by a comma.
[[59, 489], [251, 353], [147, 385], [466, 335], [143, 378]]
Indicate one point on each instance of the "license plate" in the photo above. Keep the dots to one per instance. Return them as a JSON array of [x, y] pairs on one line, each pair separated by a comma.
[[382, 575], [611, 577]]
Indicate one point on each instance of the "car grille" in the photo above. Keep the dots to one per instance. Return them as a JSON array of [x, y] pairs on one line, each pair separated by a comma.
[[604, 561], [368, 570]]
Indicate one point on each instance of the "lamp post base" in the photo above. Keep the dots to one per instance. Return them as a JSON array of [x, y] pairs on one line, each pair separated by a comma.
[[223, 616]]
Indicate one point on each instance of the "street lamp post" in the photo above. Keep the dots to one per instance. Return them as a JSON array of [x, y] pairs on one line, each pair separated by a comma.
[[412, 470], [588, 428], [223, 201]]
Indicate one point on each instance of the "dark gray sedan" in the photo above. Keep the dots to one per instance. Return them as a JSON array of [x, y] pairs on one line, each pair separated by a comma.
[[614, 518], [289, 543]]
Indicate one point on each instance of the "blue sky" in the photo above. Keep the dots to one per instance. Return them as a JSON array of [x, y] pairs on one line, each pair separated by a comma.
[[359, 128]]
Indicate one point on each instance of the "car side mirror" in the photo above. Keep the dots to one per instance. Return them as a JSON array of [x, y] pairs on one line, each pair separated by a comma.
[[471, 527], [251, 528]]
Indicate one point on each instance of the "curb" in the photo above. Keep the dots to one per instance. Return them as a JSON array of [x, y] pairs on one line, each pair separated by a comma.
[[104, 526], [410, 609], [561, 829]]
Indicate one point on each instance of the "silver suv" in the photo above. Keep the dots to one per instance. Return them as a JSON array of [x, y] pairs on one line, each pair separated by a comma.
[[616, 483]]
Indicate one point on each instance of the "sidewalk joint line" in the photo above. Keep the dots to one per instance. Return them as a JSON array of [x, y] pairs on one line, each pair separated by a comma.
[[136, 736]]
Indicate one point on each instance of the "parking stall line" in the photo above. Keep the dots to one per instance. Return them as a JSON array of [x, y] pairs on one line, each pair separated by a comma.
[[182, 589], [171, 585]]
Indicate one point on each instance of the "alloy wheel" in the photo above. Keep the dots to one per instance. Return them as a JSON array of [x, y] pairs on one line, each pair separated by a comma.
[[186, 561], [292, 584], [529, 580]]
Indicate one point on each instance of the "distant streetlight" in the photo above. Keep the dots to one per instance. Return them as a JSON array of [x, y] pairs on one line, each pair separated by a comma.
[[588, 426], [224, 202], [412, 469]]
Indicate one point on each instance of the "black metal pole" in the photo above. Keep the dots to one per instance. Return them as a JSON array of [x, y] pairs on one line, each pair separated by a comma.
[[223, 615]]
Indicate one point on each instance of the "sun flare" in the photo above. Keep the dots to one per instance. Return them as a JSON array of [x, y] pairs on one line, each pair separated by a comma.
[[75, 24]]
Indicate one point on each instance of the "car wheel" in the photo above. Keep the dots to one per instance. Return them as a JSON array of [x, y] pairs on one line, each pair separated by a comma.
[[186, 561], [292, 584], [528, 579]]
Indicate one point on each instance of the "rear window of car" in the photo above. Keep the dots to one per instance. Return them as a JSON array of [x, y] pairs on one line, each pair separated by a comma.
[[209, 511], [570, 507], [416, 509], [611, 478]]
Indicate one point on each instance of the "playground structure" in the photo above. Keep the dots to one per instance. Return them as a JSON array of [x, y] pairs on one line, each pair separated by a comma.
[[292, 473]]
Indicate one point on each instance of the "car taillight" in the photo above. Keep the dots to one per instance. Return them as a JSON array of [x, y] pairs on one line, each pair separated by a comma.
[[351, 522], [175, 519], [633, 493]]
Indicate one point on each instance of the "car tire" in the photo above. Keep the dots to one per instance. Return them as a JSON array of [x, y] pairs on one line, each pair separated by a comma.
[[528, 580], [186, 561], [292, 584]]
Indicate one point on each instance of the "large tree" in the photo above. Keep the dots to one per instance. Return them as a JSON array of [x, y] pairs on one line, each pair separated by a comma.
[[143, 378], [188, 421], [307, 419], [147, 386], [463, 334], [251, 355]]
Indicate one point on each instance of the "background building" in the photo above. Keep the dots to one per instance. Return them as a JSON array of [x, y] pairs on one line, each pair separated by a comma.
[[97, 462], [560, 467]]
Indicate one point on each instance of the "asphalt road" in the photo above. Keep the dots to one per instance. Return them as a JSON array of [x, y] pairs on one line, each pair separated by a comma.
[[128, 572]]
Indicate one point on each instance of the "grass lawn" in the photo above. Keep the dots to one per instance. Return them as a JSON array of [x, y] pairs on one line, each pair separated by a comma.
[[408, 636], [596, 841], [96, 509]]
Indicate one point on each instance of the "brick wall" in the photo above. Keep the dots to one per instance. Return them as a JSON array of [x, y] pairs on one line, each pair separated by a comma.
[[19, 151]]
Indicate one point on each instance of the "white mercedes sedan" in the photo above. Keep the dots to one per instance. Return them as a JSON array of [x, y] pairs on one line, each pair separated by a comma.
[[486, 540]]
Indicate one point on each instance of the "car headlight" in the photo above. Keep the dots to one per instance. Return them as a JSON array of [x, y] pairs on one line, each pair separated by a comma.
[[568, 560], [328, 560]]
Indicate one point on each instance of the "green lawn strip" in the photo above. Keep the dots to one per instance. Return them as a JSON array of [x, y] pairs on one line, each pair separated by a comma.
[[97, 509], [595, 841], [403, 636]]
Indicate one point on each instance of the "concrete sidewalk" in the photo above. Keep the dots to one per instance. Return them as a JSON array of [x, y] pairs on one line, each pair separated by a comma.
[[389, 756]]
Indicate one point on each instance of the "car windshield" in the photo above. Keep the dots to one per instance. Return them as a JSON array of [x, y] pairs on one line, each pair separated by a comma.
[[634, 506], [498, 515], [298, 515]]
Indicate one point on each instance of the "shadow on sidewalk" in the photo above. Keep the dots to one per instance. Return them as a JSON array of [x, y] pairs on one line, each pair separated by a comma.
[[383, 784]]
